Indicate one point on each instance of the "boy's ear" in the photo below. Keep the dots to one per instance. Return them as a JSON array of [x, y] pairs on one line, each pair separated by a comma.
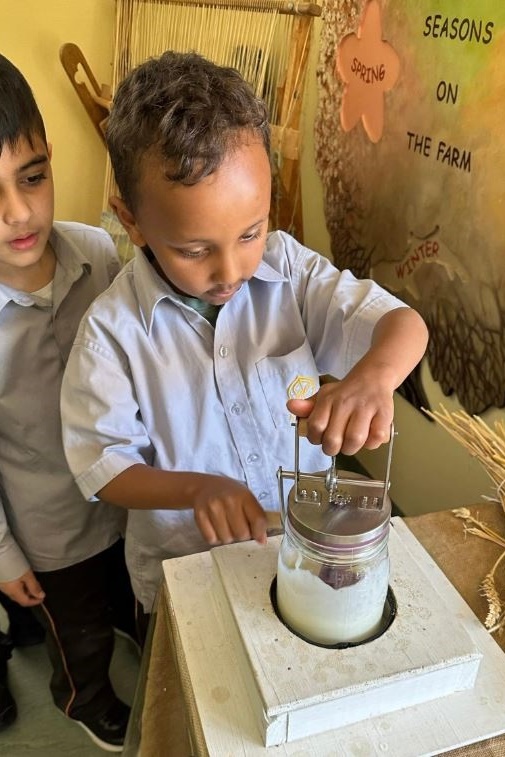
[[127, 220]]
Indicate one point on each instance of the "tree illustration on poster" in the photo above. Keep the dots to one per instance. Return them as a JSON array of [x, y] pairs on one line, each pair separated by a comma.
[[410, 147]]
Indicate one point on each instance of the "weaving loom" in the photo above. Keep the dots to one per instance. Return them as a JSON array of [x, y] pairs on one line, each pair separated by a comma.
[[268, 41]]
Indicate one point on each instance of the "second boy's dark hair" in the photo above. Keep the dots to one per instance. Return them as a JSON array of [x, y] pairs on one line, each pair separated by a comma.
[[186, 107], [19, 114]]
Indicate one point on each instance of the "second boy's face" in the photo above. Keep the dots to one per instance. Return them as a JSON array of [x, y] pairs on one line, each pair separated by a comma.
[[210, 237], [26, 208]]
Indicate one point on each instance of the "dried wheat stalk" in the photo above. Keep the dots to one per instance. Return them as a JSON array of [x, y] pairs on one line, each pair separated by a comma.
[[488, 446], [481, 441], [495, 619]]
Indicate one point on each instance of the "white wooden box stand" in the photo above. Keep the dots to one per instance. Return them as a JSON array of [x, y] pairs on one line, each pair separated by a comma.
[[433, 681]]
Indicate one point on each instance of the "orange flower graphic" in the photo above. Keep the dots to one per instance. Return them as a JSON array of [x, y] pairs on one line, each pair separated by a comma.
[[369, 67]]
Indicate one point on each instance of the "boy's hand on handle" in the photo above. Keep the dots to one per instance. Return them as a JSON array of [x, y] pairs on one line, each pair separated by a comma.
[[347, 415], [357, 412], [26, 590], [226, 511]]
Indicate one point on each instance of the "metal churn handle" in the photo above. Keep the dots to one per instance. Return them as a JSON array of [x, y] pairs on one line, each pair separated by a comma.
[[331, 477]]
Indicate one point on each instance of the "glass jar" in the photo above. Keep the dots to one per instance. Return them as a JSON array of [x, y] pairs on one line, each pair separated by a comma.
[[333, 569]]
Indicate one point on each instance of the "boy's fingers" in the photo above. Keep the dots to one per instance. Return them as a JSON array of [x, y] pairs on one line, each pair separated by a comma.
[[239, 518], [222, 527], [206, 527], [20, 596], [380, 430], [259, 527], [240, 525], [301, 408], [32, 587], [26, 590], [30, 601]]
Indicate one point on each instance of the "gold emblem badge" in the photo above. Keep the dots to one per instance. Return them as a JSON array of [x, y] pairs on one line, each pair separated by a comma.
[[301, 388]]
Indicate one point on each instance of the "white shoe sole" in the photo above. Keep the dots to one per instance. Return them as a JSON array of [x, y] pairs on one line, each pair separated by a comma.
[[96, 740], [128, 638]]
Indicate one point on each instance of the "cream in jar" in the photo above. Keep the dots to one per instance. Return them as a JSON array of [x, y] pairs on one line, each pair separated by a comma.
[[324, 614]]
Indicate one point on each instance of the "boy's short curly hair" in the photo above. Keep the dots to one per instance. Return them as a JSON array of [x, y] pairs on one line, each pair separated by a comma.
[[189, 109], [19, 114]]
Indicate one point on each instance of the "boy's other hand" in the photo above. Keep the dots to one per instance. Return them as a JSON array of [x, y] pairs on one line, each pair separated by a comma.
[[226, 511], [26, 590], [347, 415]]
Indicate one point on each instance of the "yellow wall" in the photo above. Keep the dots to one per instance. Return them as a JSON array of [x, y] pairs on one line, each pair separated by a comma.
[[430, 471]]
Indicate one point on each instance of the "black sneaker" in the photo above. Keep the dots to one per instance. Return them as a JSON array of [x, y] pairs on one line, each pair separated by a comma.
[[8, 709], [109, 731]]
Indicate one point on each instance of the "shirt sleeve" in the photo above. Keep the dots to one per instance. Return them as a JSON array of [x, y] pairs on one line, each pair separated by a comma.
[[103, 434], [339, 311], [13, 563]]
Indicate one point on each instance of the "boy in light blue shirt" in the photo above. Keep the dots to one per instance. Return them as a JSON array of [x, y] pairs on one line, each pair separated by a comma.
[[174, 397]]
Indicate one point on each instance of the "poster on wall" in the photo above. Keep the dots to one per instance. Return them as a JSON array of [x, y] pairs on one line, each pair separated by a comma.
[[410, 148]]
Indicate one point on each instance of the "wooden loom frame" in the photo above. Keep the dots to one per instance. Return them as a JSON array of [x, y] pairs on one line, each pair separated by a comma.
[[286, 210]]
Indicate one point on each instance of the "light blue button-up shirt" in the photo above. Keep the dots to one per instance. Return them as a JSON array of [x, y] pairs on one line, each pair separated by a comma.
[[149, 380]]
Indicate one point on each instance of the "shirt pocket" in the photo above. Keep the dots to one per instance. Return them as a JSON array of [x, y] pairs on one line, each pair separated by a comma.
[[293, 375]]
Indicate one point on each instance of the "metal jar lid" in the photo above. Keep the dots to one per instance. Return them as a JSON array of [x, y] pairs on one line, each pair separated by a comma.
[[358, 517]]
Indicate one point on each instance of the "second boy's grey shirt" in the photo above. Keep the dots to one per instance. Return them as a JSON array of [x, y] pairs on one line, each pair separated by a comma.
[[149, 380], [45, 523]]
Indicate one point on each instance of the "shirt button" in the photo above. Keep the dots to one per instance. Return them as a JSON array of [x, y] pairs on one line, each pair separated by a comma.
[[223, 351], [252, 457], [262, 495], [237, 408]]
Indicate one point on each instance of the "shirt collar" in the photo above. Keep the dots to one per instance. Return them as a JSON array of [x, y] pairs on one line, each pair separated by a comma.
[[7, 294], [266, 272], [68, 255], [151, 288]]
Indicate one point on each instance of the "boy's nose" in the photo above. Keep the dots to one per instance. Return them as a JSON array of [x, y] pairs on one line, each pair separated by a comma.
[[227, 268], [14, 208]]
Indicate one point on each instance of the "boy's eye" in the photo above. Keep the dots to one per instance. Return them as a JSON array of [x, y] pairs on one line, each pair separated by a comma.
[[252, 235], [248, 237], [193, 253], [34, 179]]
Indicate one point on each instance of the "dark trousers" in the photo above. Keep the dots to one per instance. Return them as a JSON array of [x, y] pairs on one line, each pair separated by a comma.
[[19, 617], [142, 623], [83, 604], [5, 654]]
